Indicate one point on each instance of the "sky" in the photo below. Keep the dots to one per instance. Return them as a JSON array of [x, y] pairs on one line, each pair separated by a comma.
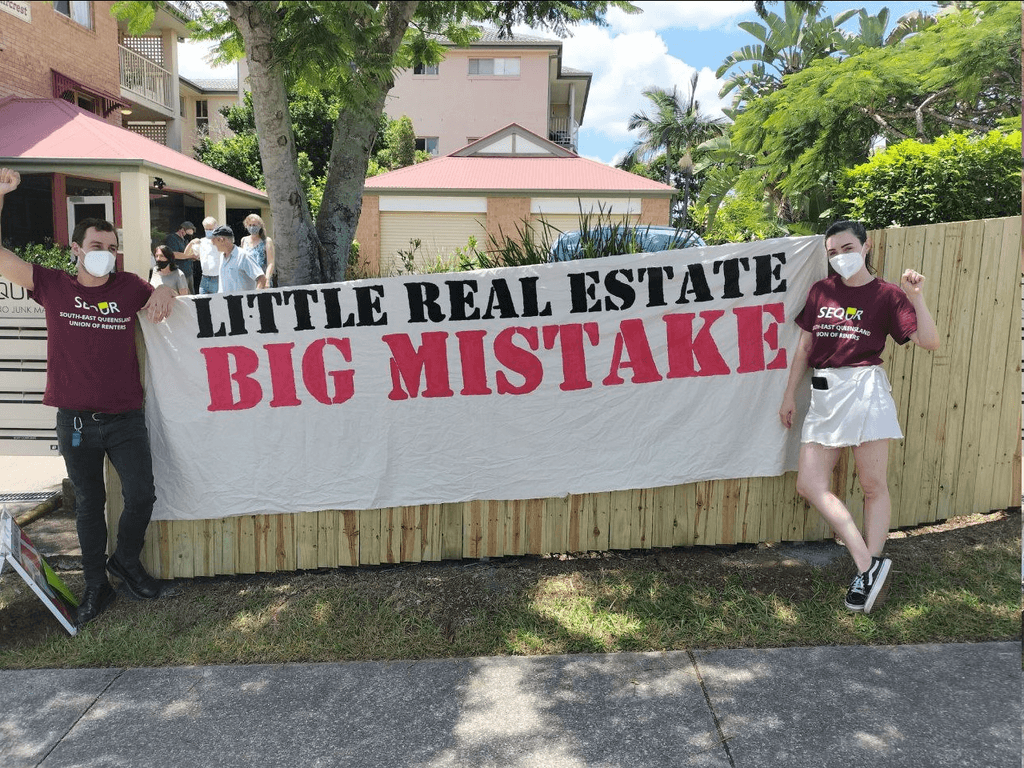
[[661, 47]]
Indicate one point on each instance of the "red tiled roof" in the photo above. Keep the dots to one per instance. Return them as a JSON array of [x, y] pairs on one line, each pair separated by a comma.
[[535, 174], [53, 129]]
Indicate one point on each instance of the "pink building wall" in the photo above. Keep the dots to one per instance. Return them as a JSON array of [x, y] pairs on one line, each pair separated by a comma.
[[455, 106]]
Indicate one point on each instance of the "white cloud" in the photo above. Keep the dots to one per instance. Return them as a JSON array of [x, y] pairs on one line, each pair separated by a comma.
[[688, 14], [193, 63], [623, 67]]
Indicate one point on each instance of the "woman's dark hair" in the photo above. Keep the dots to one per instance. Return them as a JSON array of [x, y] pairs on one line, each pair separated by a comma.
[[168, 253], [856, 229]]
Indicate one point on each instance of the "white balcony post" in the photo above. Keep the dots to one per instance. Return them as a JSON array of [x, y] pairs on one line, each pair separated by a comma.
[[171, 58], [135, 222]]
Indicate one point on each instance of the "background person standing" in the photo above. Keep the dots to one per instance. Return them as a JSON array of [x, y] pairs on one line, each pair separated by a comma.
[[177, 242], [260, 247], [238, 272], [167, 272], [208, 256]]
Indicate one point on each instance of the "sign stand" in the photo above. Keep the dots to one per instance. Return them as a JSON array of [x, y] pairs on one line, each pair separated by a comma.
[[17, 550]]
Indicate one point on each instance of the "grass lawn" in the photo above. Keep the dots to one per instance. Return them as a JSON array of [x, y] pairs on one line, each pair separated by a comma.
[[957, 581]]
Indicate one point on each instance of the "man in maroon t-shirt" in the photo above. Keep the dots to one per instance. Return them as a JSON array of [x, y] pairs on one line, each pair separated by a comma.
[[92, 378]]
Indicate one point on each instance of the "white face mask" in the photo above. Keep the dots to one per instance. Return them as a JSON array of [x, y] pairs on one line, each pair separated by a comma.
[[208, 232], [98, 263], [847, 264]]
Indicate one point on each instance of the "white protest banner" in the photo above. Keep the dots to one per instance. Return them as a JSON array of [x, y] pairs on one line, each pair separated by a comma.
[[632, 371]]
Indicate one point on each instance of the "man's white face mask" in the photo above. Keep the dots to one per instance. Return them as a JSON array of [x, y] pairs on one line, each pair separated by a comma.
[[98, 263], [847, 264]]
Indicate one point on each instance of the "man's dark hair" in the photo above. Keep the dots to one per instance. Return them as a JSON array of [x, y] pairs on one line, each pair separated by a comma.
[[100, 225]]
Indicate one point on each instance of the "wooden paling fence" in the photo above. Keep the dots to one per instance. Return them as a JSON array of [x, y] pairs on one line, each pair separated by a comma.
[[960, 455]]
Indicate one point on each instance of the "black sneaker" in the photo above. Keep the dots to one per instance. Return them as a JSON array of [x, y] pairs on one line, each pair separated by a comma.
[[869, 589], [135, 578], [96, 600]]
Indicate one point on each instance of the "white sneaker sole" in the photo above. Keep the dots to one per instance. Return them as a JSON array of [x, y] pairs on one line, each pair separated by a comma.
[[880, 589]]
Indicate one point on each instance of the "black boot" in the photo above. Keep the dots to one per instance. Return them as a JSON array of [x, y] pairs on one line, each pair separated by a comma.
[[139, 583], [96, 600]]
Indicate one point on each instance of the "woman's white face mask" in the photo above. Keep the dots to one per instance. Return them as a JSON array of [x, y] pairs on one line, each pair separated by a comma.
[[847, 264], [98, 263]]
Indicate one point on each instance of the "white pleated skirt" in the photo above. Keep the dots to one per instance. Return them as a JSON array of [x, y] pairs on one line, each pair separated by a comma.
[[855, 407]]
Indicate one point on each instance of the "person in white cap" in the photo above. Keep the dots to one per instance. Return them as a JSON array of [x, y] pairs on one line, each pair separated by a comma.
[[238, 271]]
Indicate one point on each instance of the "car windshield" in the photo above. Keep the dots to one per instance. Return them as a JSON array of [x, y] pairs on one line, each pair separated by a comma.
[[642, 239]]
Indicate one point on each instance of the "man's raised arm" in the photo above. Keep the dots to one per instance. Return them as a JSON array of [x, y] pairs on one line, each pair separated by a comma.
[[12, 266]]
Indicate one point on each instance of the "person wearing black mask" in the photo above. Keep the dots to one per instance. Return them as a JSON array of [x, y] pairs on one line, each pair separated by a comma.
[[167, 272]]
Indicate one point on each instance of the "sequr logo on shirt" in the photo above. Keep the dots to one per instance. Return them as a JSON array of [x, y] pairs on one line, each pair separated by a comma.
[[103, 307], [851, 314]]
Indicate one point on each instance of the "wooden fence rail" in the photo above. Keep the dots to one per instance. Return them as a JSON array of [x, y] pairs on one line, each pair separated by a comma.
[[960, 455]]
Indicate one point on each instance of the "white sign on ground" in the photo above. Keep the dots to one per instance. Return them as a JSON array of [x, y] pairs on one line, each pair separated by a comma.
[[17, 550]]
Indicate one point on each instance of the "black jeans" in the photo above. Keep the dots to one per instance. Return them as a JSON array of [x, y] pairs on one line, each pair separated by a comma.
[[124, 438]]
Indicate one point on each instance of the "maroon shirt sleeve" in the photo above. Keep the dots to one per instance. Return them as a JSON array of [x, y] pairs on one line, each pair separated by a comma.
[[904, 317]]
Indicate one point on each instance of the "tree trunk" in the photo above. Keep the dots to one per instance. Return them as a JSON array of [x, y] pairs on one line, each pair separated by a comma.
[[351, 147], [298, 250]]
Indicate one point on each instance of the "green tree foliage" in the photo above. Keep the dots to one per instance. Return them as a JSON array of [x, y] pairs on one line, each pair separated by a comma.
[[351, 50], [668, 146], [955, 178], [397, 146], [962, 73], [740, 219], [786, 44], [314, 113]]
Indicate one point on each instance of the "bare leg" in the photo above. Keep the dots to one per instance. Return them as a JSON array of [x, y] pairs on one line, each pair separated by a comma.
[[872, 461], [814, 483]]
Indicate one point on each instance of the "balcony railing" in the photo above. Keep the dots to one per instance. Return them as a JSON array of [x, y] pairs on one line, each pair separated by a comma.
[[564, 132], [142, 77]]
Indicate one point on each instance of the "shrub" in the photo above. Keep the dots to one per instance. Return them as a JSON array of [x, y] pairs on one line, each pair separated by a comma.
[[958, 177], [48, 255]]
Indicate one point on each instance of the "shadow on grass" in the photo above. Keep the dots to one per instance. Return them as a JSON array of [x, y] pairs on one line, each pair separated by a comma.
[[705, 598]]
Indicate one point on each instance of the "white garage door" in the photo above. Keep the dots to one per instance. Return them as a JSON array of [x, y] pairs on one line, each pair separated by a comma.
[[440, 235]]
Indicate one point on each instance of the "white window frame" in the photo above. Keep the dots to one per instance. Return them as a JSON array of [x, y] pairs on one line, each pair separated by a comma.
[[79, 11], [426, 70], [430, 144], [500, 67], [203, 116]]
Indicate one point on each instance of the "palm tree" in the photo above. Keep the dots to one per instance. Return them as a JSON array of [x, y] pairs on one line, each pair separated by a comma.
[[672, 132], [872, 31], [786, 45]]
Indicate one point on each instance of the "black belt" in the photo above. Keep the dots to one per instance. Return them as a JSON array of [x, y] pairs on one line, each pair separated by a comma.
[[819, 382], [97, 416]]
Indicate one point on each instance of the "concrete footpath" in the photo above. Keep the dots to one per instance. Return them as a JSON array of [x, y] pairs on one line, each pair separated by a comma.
[[915, 706], [924, 706]]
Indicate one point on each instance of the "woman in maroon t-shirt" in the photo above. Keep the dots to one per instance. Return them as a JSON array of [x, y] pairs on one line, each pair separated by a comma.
[[844, 326]]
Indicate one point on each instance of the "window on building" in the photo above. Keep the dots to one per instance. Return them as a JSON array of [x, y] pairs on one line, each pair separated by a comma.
[[427, 144], [203, 116], [181, 105], [79, 11], [498, 67], [79, 99], [426, 69]]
